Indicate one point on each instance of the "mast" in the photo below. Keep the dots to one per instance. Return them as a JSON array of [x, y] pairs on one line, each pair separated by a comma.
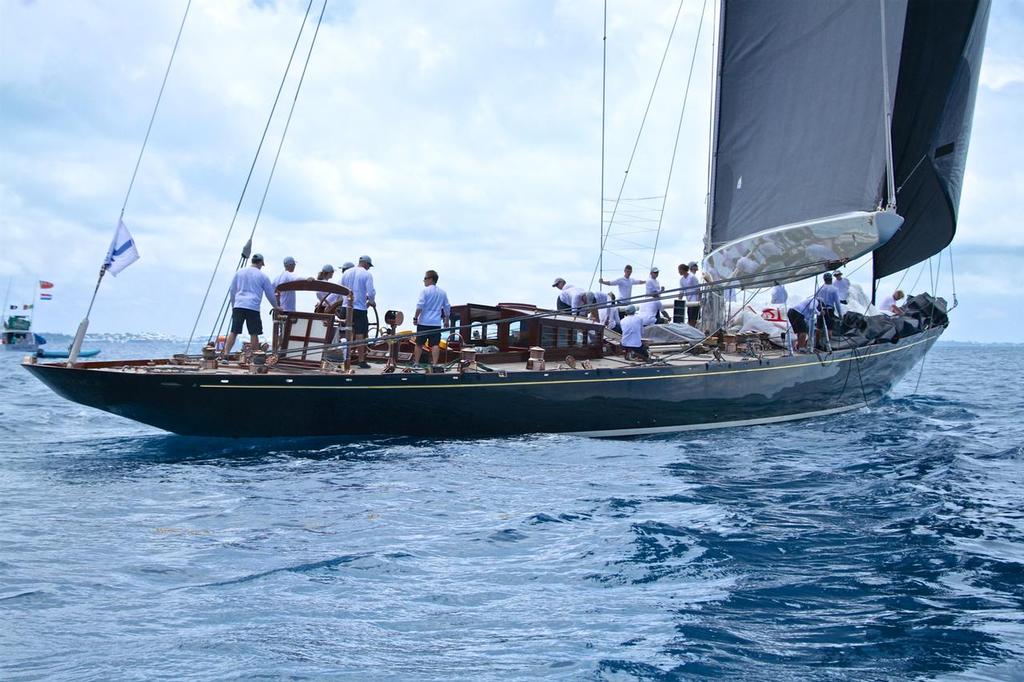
[[604, 80], [711, 300], [716, 77], [890, 173]]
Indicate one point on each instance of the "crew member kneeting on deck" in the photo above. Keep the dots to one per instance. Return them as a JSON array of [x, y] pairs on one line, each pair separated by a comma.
[[248, 287], [363, 298], [632, 334], [432, 313]]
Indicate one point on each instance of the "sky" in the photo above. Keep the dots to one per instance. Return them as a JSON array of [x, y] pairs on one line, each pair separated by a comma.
[[456, 136]]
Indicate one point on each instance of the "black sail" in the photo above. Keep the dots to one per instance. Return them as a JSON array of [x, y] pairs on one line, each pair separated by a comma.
[[800, 128], [938, 79]]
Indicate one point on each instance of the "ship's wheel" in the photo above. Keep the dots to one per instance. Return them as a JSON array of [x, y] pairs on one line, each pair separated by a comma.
[[374, 324]]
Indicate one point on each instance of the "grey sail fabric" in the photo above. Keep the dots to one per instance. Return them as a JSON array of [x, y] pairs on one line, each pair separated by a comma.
[[800, 130], [938, 80]]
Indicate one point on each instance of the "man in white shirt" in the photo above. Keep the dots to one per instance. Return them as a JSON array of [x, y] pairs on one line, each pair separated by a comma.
[[248, 287], [690, 291], [632, 334], [625, 283], [363, 298], [432, 313], [325, 275], [653, 285], [779, 294], [336, 302], [651, 312], [286, 299], [570, 296], [889, 304], [603, 311], [842, 285]]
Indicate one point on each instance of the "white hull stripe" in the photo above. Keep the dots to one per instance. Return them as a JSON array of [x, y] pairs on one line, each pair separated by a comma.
[[716, 425]]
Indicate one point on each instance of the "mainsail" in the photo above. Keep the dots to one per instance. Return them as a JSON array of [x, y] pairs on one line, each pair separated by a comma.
[[799, 146], [938, 80]]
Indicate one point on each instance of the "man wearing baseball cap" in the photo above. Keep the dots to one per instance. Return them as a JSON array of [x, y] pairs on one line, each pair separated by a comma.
[[360, 282], [286, 299], [570, 296], [653, 285], [248, 287]]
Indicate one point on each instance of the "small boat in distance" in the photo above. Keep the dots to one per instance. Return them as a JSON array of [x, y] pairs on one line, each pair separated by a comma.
[[17, 334], [56, 353]]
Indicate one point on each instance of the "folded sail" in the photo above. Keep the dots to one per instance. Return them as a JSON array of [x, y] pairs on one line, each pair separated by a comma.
[[938, 80], [799, 147]]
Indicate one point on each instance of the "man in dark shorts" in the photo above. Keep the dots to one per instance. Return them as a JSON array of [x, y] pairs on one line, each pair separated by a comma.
[[363, 296], [248, 287], [432, 313], [798, 321]]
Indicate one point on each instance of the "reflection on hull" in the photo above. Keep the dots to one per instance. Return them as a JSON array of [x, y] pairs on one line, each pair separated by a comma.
[[606, 402]]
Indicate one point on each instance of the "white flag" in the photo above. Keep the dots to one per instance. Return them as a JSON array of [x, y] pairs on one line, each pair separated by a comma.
[[122, 252]]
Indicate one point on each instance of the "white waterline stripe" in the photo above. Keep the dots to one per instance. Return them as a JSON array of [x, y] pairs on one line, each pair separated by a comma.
[[717, 425]]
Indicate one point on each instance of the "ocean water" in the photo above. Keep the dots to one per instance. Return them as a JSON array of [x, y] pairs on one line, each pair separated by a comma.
[[882, 544]]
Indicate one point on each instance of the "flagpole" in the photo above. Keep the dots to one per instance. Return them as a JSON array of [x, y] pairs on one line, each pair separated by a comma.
[[83, 326]]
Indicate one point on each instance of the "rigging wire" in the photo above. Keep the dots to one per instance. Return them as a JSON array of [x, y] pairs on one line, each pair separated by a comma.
[[248, 177], [277, 155], [152, 117], [679, 130], [142, 150], [604, 81], [952, 273], [636, 143]]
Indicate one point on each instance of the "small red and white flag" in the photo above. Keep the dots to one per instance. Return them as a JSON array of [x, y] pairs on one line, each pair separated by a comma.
[[45, 297], [43, 284]]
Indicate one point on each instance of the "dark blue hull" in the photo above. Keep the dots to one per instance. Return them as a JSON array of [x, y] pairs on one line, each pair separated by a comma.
[[605, 402]]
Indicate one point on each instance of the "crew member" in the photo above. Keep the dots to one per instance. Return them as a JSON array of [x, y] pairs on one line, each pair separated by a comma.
[[653, 285], [842, 285], [690, 286], [799, 320], [625, 283], [829, 297], [570, 296], [890, 305], [286, 299], [602, 311], [363, 298], [632, 334], [779, 294], [652, 311], [432, 313], [248, 287], [337, 303], [325, 275]]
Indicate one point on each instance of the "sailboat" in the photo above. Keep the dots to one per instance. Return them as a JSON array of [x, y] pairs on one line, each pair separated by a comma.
[[840, 129], [16, 327]]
